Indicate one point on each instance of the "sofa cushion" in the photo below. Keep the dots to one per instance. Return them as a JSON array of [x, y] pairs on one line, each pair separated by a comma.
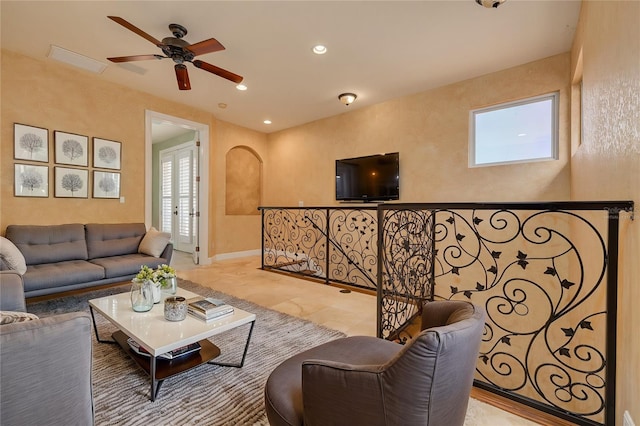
[[49, 243], [9, 317], [52, 275], [154, 242], [113, 239], [10, 257], [128, 264]]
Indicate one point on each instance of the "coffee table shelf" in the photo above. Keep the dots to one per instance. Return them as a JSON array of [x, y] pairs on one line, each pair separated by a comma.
[[166, 368]]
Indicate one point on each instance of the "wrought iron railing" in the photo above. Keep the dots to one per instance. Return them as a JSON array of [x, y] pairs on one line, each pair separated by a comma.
[[331, 244], [546, 273]]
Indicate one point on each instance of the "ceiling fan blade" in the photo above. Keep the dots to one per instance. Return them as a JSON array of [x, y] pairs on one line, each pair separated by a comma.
[[135, 58], [218, 71], [135, 29], [205, 46], [183, 77]]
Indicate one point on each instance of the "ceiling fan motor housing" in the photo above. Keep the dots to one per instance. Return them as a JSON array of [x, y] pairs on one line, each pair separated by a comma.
[[176, 49]]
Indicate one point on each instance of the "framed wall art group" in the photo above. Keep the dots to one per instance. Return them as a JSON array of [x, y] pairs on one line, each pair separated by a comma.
[[71, 170]]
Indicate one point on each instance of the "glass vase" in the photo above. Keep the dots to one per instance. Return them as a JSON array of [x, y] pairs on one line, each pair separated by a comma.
[[156, 291], [142, 296], [170, 285]]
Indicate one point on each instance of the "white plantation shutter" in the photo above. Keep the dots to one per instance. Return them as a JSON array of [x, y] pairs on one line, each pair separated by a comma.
[[166, 165], [178, 196], [185, 199]]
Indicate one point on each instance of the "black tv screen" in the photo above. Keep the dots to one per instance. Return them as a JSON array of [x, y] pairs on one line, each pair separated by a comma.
[[371, 178]]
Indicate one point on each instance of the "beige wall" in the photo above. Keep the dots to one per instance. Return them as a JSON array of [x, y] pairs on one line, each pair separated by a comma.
[[430, 130], [606, 166], [243, 184], [46, 94], [235, 233]]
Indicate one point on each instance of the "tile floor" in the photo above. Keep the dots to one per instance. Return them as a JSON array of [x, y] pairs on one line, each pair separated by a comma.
[[352, 313]]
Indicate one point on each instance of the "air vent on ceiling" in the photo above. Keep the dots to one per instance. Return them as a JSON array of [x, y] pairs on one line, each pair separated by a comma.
[[76, 59]]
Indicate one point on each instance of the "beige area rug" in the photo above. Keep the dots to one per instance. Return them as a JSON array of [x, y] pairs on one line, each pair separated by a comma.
[[206, 395]]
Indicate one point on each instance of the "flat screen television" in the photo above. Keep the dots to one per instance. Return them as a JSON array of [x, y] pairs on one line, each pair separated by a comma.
[[370, 178]]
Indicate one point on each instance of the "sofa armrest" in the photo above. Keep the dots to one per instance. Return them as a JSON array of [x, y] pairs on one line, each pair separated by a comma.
[[11, 292], [331, 389], [46, 371], [167, 253]]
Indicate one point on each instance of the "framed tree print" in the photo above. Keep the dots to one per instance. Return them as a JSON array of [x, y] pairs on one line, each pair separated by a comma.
[[71, 149], [106, 154], [71, 183], [31, 180], [30, 143], [106, 184]]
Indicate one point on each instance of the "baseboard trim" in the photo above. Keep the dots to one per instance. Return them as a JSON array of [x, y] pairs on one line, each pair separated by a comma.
[[518, 409], [237, 254]]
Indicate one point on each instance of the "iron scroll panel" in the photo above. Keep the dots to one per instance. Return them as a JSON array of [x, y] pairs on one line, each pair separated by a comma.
[[406, 268], [332, 244], [547, 277]]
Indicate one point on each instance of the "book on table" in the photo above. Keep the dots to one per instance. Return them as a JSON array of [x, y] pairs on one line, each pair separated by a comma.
[[207, 308], [176, 353]]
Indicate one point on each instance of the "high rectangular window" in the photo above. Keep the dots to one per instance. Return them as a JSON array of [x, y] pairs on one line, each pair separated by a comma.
[[514, 132]]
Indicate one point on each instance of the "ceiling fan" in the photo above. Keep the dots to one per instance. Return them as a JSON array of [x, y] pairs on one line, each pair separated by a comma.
[[180, 52]]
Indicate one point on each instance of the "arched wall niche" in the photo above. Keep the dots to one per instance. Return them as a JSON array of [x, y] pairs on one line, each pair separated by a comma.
[[243, 181]]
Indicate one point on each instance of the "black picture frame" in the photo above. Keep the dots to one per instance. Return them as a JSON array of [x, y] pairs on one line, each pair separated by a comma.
[[30, 143]]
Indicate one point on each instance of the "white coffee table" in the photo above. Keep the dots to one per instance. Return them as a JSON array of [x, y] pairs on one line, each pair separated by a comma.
[[157, 335]]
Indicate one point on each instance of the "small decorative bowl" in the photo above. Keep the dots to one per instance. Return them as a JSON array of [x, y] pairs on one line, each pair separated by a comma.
[[175, 308]]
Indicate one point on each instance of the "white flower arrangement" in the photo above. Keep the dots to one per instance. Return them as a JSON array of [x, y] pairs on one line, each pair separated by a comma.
[[157, 277]]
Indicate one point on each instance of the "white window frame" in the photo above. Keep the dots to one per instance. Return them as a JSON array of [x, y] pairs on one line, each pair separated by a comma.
[[554, 97]]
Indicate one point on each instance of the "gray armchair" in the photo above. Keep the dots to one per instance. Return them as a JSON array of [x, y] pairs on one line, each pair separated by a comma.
[[45, 364], [369, 381]]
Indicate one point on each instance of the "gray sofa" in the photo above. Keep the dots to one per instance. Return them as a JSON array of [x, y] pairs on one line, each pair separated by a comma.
[[75, 256], [45, 364]]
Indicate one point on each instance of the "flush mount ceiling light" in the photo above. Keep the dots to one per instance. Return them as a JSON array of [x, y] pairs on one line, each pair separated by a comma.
[[267, 121], [76, 59], [241, 87], [490, 3], [319, 49], [347, 98]]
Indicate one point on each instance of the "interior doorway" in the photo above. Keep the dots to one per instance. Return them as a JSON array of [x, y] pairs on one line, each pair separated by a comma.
[[189, 213]]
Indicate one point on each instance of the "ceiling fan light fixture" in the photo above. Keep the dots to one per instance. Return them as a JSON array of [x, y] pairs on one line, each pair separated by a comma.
[[490, 4], [347, 98]]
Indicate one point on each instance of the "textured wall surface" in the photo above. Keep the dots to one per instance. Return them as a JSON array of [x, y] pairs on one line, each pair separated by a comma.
[[430, 130], [235, 233], [58, 97], [243, 184], [606, 166]]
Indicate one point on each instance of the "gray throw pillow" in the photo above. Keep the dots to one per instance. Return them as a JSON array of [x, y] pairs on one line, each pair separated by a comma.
[[11, 256]]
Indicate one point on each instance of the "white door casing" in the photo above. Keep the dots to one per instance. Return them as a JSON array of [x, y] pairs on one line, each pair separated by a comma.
[[203, 167]]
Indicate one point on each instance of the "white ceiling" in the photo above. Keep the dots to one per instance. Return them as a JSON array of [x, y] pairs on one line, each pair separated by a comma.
[[379, 50]]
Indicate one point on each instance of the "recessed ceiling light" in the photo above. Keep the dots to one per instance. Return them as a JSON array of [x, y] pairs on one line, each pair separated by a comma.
[[222, 105], [241, 87], [319, 49], [267, 121], [76, 59]]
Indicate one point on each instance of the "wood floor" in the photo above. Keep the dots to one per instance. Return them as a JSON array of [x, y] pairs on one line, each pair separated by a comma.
[[353, 313]]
